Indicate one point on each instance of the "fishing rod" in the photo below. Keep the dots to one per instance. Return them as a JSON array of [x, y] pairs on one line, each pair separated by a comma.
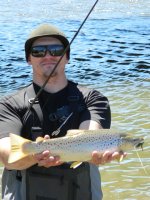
[[65, 50]]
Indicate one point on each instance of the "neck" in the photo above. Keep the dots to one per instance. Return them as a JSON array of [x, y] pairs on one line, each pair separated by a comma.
[[53, 85]]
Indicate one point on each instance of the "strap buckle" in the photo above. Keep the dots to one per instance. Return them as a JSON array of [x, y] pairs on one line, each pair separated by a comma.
[[32, 100]]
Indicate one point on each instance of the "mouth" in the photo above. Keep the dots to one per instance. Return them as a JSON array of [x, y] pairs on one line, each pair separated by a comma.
[[49, 64]]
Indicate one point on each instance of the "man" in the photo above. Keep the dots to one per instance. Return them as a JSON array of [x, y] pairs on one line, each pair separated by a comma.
[[62, 105]]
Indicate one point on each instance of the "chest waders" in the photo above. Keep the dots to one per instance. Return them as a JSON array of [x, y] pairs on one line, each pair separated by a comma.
[[60, 182]]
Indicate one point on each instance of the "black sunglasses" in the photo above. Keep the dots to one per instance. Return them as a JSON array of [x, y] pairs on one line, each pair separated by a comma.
[[53, 49]]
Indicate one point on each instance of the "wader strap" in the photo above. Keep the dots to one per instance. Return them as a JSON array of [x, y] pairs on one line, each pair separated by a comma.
[[76, 102], [36, 106]]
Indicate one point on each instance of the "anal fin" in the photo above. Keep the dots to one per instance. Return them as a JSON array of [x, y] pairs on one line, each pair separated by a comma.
[[76, 164]]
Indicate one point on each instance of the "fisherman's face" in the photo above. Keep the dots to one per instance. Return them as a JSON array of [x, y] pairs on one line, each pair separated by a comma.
[[43, 66]]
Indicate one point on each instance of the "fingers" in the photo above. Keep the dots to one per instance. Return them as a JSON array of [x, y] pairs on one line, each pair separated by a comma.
[[119, 156], [45, 159], [106, 157], [46, 137], [99, 158]]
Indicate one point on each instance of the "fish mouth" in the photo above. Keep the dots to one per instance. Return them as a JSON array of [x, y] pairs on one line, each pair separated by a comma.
[[140, 144]]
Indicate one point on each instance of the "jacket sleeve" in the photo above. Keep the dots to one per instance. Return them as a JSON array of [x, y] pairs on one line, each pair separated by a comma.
[[10, 121]]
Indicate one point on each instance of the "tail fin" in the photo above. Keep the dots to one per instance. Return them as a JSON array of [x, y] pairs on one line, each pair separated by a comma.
[[17, 143]]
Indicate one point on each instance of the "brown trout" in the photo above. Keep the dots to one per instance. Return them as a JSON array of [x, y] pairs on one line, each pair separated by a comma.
[[76, 146]]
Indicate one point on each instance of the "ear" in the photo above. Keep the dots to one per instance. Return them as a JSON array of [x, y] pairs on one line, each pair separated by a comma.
[[66, 62]]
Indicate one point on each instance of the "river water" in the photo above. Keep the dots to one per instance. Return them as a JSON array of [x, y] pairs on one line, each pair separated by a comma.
[[111, 53]]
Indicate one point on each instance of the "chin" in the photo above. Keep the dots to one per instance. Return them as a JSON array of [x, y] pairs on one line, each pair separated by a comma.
[[54, 74]]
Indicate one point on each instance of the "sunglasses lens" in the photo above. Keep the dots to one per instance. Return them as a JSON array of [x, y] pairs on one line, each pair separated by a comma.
[[54, 50], [38, 51]]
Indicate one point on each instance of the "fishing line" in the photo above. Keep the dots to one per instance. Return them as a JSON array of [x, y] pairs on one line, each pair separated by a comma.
[[66, 49], [146, 172]]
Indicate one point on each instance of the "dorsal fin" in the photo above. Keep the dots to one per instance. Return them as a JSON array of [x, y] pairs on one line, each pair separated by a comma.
[[40, 139], [73, 132]]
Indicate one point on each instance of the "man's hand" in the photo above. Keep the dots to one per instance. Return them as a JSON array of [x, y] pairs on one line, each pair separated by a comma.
[[106, 157], [45, 158]]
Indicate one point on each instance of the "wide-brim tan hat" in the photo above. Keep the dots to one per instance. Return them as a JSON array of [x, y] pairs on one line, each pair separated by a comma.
[[45, 30]]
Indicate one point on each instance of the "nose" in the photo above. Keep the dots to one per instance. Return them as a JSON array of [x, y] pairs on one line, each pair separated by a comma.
[[47, 55]]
